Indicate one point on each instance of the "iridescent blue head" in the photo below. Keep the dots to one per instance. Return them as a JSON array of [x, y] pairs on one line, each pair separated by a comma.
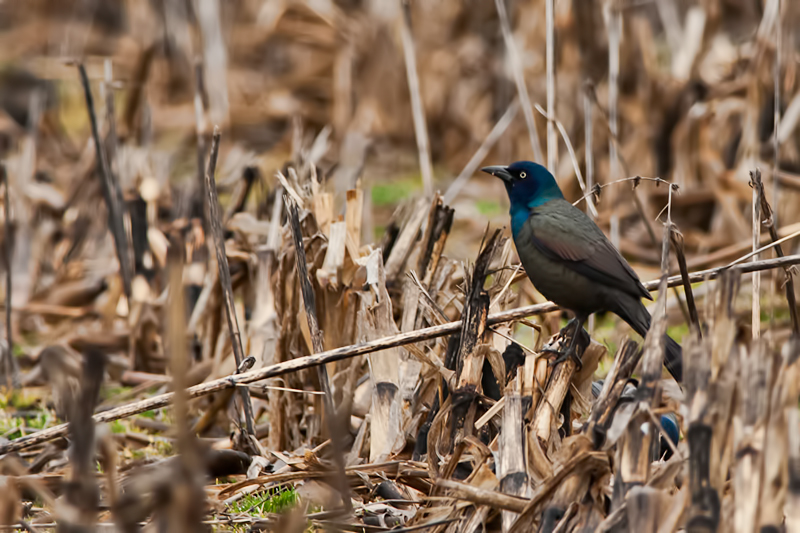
[[528, 185]]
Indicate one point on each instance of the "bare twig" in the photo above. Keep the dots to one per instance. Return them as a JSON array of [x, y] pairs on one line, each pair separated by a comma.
[[496, 499], [215, 224], [613, 19], [309, 303], [776, 117], [597, 187], [552, 140], [482, 151], [614, 25], [769, 219], [201, 305], [677, 243], [758, 190], [347, 352], [589, 148], [417, 110], [200, 131], [111, 120], [591, 92], [519, 78], [9, 364], [776, 145], [584, 189], [111, 190], [215, 58]]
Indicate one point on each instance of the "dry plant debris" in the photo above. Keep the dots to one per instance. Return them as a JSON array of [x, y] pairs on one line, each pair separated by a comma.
[[235, 301]]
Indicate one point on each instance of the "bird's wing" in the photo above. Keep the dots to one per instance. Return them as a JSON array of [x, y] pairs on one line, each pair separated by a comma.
[[565, 234]]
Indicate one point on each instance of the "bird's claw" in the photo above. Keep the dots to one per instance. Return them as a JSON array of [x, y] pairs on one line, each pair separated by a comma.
[[549, 350], [563, 356]]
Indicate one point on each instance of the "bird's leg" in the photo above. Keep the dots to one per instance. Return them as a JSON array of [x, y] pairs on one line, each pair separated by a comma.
[[571, 349], [551, 348]]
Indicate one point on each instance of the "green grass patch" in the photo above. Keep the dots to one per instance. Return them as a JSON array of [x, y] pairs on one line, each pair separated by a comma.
[[266, 502], [489, 208], [111, 392], [138, 454], [782, 314], [19, 399], [10, 427], [386, 194], [41, 420]]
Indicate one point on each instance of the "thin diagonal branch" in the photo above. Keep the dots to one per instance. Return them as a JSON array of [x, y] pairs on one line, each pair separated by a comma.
[[417, 109], [519, 80], [110, 190], [309, 302], [215, 224], [9, 364]]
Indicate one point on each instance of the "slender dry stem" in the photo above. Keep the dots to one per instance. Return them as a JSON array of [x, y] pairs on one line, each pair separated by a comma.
[[309, 303], [111, 119], [481, 153], [10, 365], [768, 216], [573, 157], [677, 243], [776, 144], [588, 149], [614, 24], [215, 224], [417, 110], [110, 188], [519, 79], [755, 178], [200, 131], [552, 140]]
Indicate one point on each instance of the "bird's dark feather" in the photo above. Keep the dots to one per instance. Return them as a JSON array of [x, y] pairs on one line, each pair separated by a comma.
[[580, 245]]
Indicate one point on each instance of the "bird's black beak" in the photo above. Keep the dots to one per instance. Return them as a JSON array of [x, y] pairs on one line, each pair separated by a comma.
[[499, 172]]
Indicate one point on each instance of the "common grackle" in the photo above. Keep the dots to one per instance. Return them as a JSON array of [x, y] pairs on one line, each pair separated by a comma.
[[569, 259]]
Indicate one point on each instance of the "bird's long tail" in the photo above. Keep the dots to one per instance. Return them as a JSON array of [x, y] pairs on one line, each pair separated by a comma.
[[635, 314]]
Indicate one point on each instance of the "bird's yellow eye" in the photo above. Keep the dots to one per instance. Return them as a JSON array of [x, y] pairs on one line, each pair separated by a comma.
[[523, 175]]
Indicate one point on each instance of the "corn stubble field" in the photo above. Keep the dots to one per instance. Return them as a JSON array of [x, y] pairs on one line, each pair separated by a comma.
[[354, 346]]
